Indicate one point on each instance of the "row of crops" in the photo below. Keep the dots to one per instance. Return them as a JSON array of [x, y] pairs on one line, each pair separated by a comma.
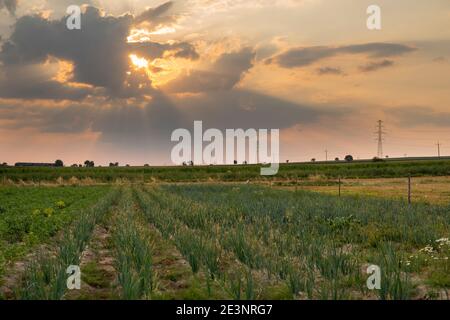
[[367, 169], [315, 245], [244, 242]]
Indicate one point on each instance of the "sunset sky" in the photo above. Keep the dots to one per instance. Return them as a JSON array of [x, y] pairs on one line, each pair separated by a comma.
[[138, 69]]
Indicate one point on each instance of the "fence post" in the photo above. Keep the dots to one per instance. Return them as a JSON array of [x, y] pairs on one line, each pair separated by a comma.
[[409, 189], [296, 184]]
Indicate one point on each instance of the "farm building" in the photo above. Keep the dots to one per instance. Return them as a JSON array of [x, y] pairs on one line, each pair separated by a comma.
[[32, 164]]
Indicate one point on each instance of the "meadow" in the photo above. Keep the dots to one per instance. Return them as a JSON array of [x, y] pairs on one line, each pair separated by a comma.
[[234, 241]]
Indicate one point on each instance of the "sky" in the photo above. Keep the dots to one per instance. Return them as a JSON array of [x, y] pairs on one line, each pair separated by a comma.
[[115, 90]]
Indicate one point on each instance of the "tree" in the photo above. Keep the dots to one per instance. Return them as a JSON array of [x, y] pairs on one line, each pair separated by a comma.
[[89, 164], [146, 165], [235, 162], [349, 158], [336, 159], [313, 160], [59, 163]]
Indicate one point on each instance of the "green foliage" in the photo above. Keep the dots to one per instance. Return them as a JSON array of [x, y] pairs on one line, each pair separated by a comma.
[[31, 215], [133, 251], [314, 243], [45, 277], [242, 240]]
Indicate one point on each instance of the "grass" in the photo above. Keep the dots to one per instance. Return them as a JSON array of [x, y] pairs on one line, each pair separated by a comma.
[[434, 190], [94, 276]]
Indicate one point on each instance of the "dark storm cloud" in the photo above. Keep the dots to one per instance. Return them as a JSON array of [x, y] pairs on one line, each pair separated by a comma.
[[31, 82], [329, 70], [417, 116], [136, 127], [47, 89], [10, 5], [377, 65], [304, 56], [99, 51], [223, 74], [73, 118], [247, 109], [152, 50], [157, 15]]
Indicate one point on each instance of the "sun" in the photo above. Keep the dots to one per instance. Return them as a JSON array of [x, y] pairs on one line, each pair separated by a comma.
[[144, 35], [159, 71], [139, 63]]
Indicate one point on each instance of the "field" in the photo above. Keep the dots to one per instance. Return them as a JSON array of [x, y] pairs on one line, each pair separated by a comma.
[[218, 241], [287, 172], [31, 216], [434, 190]]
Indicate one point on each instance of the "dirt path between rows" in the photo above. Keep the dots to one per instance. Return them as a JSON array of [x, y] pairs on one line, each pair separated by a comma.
[[98, 275]]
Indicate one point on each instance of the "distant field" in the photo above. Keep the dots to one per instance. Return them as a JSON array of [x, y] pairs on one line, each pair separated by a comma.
[[435, 190], [229, 242], [388, 169]]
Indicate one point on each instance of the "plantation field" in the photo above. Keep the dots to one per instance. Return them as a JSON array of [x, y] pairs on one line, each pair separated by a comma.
[[32, 216], [291, 172], [240, 242]]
